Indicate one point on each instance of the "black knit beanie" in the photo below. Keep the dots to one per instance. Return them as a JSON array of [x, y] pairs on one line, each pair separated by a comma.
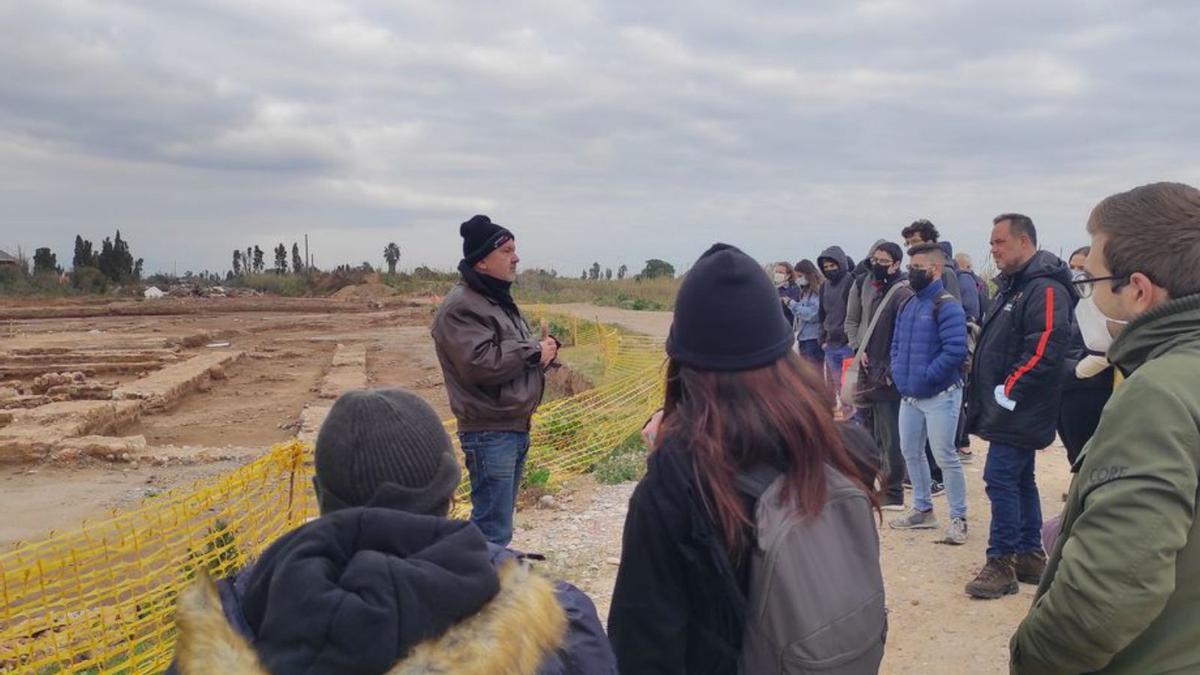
[[727, 315], [480, 237], [385, 441]]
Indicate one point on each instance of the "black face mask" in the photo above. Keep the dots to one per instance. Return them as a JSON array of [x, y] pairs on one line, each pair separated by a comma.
[[880, 272], [834, 275], [919, 279]]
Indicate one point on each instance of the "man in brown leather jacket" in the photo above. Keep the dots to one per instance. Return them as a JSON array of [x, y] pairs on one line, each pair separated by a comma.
[[493, 366]]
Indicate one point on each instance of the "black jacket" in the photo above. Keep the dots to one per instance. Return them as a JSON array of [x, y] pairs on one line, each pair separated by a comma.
[[1023, 347], [356, 590], [876, 382], [679, 602]]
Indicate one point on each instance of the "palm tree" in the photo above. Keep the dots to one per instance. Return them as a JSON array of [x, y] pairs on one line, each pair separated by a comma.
[[391, 253]]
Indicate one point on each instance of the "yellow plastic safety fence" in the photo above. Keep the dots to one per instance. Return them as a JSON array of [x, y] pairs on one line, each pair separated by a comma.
[[101, 600]]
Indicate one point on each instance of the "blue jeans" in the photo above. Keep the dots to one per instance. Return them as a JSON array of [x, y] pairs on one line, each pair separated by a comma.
[[495, 460], [834, 356], [1016, 506], [933, 419], [811, 350]]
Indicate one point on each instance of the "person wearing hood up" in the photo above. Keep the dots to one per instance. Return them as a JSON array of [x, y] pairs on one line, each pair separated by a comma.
[[1016, 386], [383, 579], [835, 296]]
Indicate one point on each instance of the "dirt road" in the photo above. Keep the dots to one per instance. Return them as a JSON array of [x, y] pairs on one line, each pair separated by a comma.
[[934, 626]]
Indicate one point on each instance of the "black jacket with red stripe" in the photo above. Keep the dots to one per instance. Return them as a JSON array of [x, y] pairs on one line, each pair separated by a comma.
[[1023, 347]]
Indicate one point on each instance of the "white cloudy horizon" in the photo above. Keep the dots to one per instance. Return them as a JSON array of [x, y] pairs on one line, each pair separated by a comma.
[[597, 131]]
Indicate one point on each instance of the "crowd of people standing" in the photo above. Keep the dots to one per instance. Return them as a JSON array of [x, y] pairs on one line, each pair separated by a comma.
[[751, 544]]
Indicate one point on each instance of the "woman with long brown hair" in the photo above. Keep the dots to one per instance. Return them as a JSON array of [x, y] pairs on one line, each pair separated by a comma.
[[808, 311], [738, 399]]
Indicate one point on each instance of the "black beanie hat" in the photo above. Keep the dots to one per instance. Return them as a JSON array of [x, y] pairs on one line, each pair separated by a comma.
[[480, 237], [727, 315], [385, 440]]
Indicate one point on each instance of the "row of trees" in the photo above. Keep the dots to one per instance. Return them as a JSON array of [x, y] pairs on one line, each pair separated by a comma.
[[654, 269], [251, 261]]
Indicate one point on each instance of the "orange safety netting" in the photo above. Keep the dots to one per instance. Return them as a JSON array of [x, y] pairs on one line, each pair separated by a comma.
[[101, 599]]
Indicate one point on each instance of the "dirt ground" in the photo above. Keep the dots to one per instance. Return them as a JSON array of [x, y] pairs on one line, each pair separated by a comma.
[[934, 627], [287, 350], [234, 419]]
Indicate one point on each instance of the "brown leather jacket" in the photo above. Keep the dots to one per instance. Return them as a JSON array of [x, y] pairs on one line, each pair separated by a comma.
[[490, 361]]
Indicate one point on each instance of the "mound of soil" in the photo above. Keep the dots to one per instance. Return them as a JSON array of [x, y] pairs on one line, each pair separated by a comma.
[[365, 292]]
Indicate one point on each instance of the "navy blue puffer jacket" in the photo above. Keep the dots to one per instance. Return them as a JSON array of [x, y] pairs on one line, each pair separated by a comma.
[[929, 346]]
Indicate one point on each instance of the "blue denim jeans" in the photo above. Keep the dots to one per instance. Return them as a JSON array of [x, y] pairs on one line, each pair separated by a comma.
[[834, 356], [495, 460], [1016, 506], [933, 419], [811, 350]]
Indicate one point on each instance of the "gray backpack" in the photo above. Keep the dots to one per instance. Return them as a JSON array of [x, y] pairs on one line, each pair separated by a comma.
[[816, 600]]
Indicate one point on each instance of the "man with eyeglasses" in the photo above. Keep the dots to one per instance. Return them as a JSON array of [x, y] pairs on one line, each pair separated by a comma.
[[1016, 384], [1121, 593]]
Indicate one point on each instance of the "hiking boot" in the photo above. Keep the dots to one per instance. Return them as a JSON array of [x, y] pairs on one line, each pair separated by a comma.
[[1030, 567], [956, 534], [915, 520], [892, 505], [936, 489], [965, 456], [997, 579]]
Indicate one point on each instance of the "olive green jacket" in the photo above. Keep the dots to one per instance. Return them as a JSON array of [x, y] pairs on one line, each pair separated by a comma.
[[1121, 593]]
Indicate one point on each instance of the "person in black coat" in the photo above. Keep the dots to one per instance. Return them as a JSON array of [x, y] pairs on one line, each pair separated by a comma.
[[1013, 403], [1086, 388], [679, 604], [384, 578]]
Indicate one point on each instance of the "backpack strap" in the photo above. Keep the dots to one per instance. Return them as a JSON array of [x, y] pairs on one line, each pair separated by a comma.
[[754, 481]]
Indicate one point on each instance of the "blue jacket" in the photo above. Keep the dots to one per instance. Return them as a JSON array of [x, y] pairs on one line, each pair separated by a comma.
[[928, 354], [807, 310]]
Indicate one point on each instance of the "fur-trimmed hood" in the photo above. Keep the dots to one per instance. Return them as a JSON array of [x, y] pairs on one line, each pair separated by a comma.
[[514, 632]]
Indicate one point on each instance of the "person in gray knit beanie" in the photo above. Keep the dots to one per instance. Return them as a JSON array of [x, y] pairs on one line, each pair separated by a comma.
[[385, 447]]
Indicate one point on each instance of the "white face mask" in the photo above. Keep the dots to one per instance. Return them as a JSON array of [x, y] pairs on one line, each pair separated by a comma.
[[1094, 325], [780, 278], [802, 282]]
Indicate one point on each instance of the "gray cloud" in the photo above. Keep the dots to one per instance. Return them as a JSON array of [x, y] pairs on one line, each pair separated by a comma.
[[611, 131]]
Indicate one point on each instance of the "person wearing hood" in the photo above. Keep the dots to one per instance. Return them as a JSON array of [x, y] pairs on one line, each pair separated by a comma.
[[1121, 592], [383, 579], [494, 369], [1016, 386], [968, 292], [835, 295]]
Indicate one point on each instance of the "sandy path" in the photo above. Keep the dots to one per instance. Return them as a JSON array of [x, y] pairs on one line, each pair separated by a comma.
[[934, 626]]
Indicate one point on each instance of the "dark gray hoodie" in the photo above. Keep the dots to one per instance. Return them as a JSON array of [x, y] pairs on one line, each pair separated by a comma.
[[834, 297]]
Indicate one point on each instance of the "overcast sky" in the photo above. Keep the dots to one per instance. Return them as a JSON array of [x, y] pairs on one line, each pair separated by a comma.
[[597, 131]]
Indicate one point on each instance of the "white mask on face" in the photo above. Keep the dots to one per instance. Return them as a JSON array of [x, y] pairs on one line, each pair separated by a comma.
[[1094, 325], [802, 282], [780, 278]]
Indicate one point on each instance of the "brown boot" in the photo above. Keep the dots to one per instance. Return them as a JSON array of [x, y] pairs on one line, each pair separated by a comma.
[[997, 579], [1030, 567]]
